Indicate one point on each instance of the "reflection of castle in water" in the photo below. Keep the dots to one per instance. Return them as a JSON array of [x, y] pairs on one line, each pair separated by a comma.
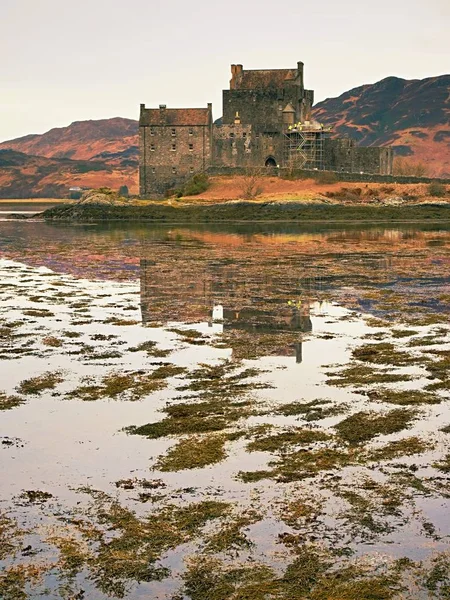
[[220, 293]]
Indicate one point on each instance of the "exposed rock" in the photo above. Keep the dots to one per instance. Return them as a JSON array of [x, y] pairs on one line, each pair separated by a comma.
[[101, 196], [393, 201]]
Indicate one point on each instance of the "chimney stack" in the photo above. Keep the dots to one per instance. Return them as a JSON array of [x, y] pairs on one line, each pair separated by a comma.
[[300, 72], [236, 70], [162, 114]]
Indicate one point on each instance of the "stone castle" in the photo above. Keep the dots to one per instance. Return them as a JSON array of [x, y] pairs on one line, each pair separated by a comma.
[[266, 123]]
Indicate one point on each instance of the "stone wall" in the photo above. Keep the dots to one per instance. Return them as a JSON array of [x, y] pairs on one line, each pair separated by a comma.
[[245, 146], [263, 107], [169, 155], [342, 154], [288, 173]]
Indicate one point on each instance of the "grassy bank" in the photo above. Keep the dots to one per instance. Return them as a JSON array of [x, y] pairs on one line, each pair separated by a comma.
[[245, 211]]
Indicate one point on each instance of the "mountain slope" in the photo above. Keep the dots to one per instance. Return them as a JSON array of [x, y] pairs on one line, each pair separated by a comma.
[[413, 116], [25, 176], [112, 140]]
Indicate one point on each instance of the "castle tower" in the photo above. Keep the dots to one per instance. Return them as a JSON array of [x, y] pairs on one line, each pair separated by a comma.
[[288, 115]]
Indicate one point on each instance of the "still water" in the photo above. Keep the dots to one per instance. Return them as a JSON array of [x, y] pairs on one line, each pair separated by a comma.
[[225, 411]]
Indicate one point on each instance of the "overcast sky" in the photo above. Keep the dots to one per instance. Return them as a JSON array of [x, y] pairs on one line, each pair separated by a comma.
[[89, 59]]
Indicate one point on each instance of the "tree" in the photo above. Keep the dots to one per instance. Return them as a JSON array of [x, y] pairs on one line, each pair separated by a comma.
[[251, 185], [409, 168]]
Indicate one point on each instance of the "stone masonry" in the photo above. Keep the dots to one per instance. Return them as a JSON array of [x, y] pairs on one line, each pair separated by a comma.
[[266, 123]]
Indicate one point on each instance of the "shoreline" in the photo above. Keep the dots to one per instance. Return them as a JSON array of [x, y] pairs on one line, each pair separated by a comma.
[[247, 212]]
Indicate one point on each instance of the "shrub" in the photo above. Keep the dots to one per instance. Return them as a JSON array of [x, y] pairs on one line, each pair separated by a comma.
[[88, 166], [123, 191], [409, 168], [172, 192], [196, 185], [251, 185], [437, 189]]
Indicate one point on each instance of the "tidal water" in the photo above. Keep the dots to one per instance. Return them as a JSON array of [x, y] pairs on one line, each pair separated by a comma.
[[287, 385]]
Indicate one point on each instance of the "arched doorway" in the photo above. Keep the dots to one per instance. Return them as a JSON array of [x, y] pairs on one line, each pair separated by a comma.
[[271, 163]]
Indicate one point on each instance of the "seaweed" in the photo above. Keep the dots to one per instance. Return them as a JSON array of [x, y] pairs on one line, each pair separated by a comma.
[[404, 397], [364, 426], [36, 385], [283, 441], [193, 453], [405, 447], [9, 402], [315, 410]]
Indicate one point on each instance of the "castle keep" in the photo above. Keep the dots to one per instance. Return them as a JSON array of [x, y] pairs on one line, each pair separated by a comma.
[[266, 122]]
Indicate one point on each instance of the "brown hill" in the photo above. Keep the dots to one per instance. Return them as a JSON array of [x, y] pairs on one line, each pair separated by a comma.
[[413, 116], [25, 176], [110, 140]]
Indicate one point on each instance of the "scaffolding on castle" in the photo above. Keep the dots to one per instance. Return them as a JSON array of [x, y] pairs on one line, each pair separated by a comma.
[[303, 148]]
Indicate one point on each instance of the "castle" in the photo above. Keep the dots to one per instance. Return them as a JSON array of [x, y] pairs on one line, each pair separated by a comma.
[[266, 122]]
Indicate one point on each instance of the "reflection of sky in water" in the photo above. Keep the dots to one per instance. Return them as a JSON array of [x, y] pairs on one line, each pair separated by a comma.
[[283, 292]]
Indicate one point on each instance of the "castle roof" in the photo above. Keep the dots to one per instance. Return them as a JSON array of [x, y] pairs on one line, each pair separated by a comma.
[[289, 108], [175, 116], [251, 80]]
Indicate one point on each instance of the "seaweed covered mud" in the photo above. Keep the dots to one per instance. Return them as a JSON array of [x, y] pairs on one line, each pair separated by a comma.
[[224, 413]]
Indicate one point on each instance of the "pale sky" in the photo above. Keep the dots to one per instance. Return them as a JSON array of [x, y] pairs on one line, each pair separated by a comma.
[[90, 59]]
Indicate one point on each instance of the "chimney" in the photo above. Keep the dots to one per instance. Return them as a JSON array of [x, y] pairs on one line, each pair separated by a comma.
[[162, 114], [209, 105], [236, 70], [300, 72]]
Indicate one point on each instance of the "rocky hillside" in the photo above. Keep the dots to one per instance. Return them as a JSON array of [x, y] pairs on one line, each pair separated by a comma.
[[413, 116], [114, 141], [25, 176]]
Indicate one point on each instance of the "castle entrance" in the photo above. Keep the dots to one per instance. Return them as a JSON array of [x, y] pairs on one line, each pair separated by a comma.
[[270, 162]]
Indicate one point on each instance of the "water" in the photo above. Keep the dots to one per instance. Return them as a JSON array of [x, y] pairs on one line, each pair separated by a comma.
[[23, 208], [101, 312]]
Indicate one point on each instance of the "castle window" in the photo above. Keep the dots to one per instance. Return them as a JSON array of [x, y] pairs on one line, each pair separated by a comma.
[[174, 147], [191, 147], [244, 135], [191, 169], [191, 131], [153, 170], [174, 171], [152, 147], [173, 132], [152, 131]]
